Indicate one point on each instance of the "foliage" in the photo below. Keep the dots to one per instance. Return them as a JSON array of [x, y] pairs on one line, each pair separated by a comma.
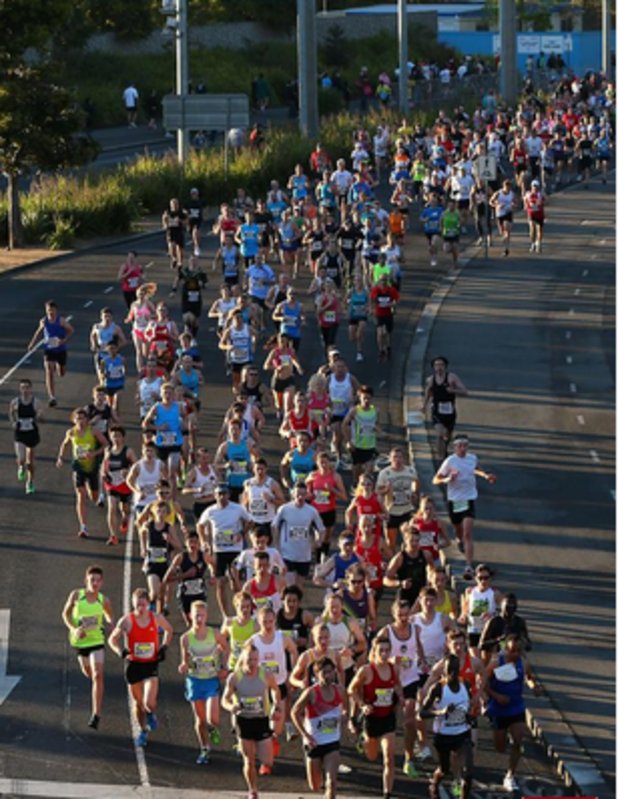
[[335, 50], [62, 237]]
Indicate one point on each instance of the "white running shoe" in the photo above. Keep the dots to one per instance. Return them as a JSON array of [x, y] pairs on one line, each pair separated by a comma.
[[510, 783], [359, 356], [532, 247], [434, 262], [425, 753]]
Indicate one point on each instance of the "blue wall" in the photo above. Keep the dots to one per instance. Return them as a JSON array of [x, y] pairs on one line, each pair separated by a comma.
[[585, 53]]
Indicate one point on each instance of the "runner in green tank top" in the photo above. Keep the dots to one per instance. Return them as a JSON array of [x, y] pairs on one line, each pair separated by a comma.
[[85, 613], [204, 655], [360, 428], [238, 629], [451, 230]]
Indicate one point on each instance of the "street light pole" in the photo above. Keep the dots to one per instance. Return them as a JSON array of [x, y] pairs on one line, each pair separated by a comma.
[[508, 50], [182, 75], [402, 33], [606, 34], [307, 68]]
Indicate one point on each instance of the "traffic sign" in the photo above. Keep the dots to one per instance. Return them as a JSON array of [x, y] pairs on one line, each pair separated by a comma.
[[205, 111], [486, 167]]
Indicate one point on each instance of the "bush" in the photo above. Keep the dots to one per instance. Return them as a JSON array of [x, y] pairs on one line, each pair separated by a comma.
[[63, 235]]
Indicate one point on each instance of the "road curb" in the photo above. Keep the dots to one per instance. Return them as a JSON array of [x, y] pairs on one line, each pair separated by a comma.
[[545, 722]]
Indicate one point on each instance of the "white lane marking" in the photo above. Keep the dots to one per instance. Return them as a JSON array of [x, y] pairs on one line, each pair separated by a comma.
[[568, 335], [577, 292], [573, 388], [24, 359], [108, 290], [585, 273], [569, 359], [88, 304], [77, 790], [140, 757], [595, 456], [581, 419], [149, 264], [6, 683]]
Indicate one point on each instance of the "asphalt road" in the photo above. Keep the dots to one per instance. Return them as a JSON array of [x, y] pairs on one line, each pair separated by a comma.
[[43, 721], [532, 337]]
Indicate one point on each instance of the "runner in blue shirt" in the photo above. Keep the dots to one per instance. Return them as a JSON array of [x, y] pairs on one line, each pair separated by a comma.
[[259, 277], [248, 237], [431, 217]]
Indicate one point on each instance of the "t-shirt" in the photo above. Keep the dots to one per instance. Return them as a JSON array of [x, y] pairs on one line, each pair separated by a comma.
[[464, 486], [451, 225], [384, 299], [226, 526], [431, 219]]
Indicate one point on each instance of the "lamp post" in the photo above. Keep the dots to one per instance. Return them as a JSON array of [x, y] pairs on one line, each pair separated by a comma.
[[307, 67], [402, 32], [508, 49], [182, 75]]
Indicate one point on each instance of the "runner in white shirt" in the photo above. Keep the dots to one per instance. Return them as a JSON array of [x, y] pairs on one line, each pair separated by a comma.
[[297, 526], [459, 472], [502, 201]]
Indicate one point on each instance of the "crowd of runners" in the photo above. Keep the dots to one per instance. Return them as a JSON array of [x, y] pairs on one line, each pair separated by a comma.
[[386, 646]]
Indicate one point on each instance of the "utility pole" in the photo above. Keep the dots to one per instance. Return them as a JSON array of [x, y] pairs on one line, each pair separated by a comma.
[[402, 33], [508, 52], [307, 67], [182, 74], [606, 24]]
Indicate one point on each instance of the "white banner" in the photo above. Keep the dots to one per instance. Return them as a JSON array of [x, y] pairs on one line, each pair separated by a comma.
[[529, 43]]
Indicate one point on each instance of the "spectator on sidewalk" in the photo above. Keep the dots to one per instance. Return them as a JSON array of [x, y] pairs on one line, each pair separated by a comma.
[[130, 97]]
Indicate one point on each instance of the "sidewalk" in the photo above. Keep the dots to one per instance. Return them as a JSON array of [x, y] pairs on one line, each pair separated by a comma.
[[528, 336]]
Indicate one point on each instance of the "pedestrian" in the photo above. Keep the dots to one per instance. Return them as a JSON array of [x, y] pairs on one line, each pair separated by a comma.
[[130, 97], [56, 331], [459, 472]]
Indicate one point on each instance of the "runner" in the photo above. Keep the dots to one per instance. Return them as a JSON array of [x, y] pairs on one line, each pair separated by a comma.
[[376, 690], [264, 587], [459, 472], [238, 341], [325, 487], [117, 462], [136, 639], [448, 702], [534, 203], [384, 298], [158, 545], [233, 460], [204, 653], [479, 604], [195, 217], [173, 221], [318, 715], [25, 415], [56, 331], [441, 392], [85, 613], [431, 217], [398, 486], [87, 447], [201, 482], [358, 313], [296, 526], [112, 369], [141, 313], [503, 201], [190, 570], [145, 475], [165, 418], [407, 570], [131, 276], [451, 230], [361, 429], [252, 696], [499, 627]]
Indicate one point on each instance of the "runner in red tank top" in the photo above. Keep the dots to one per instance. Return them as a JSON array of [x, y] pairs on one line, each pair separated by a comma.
[[325, 488], [139, 631], [376, 690]]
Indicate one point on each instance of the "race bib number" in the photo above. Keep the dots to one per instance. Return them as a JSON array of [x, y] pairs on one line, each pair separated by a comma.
[[461, 507], [133, 282], [157, 555], [252, 705], [143, 650], [193, 586], [26, 425], [426, 540], [329, 725], [89, 622], [384, 697], [240, 354], [205, 666], [116, 477], [53, 342], [193, 296], [271, 667], [330, 317], [445, 408], [322, 497], [238, 467], [168, 438], [298, 533], [259, 506], [456, 717], [401, 496], [225, 539]]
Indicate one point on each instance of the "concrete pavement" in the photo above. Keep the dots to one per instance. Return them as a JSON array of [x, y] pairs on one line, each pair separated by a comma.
[[531, 336]]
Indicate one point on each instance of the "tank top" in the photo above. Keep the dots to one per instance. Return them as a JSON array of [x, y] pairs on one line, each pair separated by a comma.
[[193, 586], [442, 399], [356, 608], [479, 603], [294, 628], [225, 307], [147, 481], [358, 304], [82, 444], [374, 562], [141, 315], [260, 509], [341, 638], [90, 617], [341, 394], [512, 688], [113, 371], [323, 718], [26, 417], [229, 256], [342, 565], [190, 381], [117, 463], [365, 428], [53, 333], [406, 650], [433, 637], [172, 437], [430, 531], [149, 393], [272, 656], [157, 549], [322, 487], [239, 635], [447, 606], [104, 334], [290, 324], [143, 641], [253, 696], [238, 457], [380, 692], [455, 722], [205, 483], [301, 465], [329, 313], [265, 597], [240, 339], [132, 278], [204, 655], [300, 424]]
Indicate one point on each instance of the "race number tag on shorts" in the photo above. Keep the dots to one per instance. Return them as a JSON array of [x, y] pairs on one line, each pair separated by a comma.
[[445, 408], [225, 538], [26, 425], [168, 438], [143, 650], [205, 665], [461, 507], [157, 554], [193, 586], [384, 697]]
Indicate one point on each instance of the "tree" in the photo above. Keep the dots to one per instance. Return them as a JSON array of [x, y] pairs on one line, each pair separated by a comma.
[[39, 126]]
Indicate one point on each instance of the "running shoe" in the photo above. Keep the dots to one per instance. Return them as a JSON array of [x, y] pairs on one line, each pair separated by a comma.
[[203, 758], [425, 753], [93, 723], [433, 262], [101, 501], [409, 769], [152, 722], [142, 738], [456, 790], [52, 402], [83, 532], [124, 527], [510, 783], [29, 488], [468, 573], [359, 357], [214, 735], [111, 541], [360, 745], [265, 770], [21, 474]]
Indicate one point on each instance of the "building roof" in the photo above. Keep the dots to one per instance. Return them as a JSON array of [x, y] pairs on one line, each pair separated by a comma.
[[441, 9]]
